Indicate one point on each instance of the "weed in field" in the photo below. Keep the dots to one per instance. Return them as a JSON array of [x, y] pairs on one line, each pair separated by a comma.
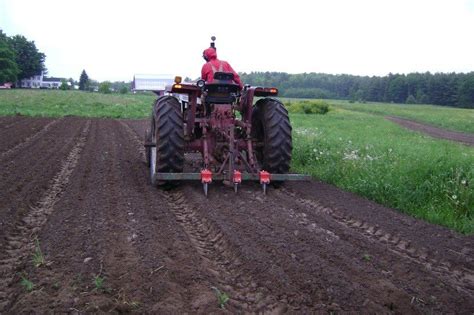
[[459, 192], [367, 257], [38, 257], [222, 297], [56, 286], [99, 283], [27, 284]]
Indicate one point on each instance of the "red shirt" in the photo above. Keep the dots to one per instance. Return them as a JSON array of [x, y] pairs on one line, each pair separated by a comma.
[[216, 65]]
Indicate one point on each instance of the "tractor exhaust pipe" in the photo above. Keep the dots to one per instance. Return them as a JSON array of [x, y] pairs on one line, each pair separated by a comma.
[[213, 44]]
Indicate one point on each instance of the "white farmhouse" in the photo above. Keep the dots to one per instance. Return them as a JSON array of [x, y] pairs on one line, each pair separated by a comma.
[[41, 82], [33, 82]]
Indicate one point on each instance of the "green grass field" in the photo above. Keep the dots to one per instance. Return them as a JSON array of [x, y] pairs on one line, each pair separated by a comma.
[[368, 155], [56, 103], [352, 147], [458, 119]]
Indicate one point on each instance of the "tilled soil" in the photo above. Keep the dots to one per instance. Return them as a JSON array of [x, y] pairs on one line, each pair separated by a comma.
[[76, 191], [464, 138]]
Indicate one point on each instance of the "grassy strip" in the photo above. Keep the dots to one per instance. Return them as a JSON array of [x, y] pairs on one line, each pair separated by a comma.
[[459, 119], [427, 178], [56, 103]]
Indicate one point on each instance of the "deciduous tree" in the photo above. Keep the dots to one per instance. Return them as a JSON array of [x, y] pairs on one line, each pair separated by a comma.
[[8, 66], [29, 60]]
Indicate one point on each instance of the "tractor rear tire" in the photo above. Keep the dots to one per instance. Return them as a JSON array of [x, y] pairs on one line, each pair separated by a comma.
[[168, 134], [271, 126]]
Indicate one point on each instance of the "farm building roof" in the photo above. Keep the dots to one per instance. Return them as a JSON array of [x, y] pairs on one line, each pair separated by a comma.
[[52, 79], [151, 82]]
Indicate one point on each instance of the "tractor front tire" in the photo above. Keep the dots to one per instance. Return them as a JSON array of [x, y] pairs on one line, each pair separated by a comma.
[[271, 128], [168, 135]]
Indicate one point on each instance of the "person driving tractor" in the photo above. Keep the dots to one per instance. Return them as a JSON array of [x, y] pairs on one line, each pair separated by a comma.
[[213, 65]]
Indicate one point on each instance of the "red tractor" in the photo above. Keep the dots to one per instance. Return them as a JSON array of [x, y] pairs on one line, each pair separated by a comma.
[[236, 139]]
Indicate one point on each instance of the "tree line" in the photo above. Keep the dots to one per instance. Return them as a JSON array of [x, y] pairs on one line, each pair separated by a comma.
[[449, 89], [19, 58], [106, 87]]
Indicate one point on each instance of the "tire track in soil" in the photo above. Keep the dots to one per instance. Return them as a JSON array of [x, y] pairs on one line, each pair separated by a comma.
[[324, 267], [20, 243], [198, 234], [221, 259], [460, 279], [313, 276], [413, 289], [29, 139], [136, 139]]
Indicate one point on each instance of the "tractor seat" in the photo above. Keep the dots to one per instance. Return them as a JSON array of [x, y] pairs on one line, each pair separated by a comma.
[[221, 93]]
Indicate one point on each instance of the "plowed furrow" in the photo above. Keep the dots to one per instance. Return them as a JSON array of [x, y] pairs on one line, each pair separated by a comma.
[[20, 243], [461, 279], [25, 176], [10, 137], [222, 259], [11, 121], [26, 142], [138, 142]]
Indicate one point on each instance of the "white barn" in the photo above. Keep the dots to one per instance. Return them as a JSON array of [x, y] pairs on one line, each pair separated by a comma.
[[151, 82]]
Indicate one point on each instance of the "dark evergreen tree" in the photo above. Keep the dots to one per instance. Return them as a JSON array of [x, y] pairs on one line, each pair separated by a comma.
[[466, 91], [84, 81]]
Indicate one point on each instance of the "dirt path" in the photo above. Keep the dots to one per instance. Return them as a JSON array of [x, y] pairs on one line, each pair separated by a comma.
[[435, 132], [113, 243]]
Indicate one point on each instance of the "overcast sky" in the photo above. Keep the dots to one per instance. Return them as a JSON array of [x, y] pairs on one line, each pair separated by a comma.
[[113, 40]]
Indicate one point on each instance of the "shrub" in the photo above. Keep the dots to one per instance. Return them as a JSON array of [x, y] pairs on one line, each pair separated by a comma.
[[319, 107], [64, 85], [123, 90], [104, 87], [410, 99]]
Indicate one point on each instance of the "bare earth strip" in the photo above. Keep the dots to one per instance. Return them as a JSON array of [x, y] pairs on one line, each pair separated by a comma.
[[435, 132], [303, 248], [26, 142], [24, 128], [10, 121], [21, 242]]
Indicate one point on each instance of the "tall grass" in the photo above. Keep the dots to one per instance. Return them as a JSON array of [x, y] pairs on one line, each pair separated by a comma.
[[427, 178]]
